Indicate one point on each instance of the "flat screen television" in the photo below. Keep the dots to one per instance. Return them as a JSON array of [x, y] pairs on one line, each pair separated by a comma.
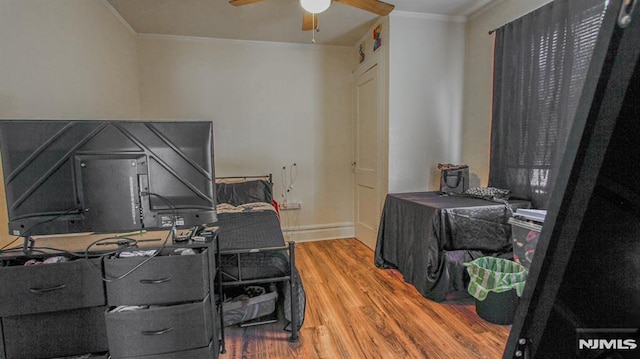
[[107, 176]]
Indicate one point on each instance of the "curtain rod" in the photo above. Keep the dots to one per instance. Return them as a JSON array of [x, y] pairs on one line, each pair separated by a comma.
[[532, 11], [499, 27], [624, 18]]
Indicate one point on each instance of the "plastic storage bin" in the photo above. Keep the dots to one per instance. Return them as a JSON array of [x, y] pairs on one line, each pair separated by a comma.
[[525, 231]]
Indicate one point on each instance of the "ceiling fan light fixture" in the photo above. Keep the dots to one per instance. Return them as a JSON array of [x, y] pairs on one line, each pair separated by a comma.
[[315, 6]]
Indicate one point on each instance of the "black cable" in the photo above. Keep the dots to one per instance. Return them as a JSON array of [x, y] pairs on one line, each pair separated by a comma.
[[166, 200], [19, 249], [47, 250], [26, 232], [8, 244], [54, 250], [133, 244], [102, 255]]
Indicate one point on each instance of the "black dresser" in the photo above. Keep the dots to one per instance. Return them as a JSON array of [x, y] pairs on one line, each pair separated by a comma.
[[162, 307]]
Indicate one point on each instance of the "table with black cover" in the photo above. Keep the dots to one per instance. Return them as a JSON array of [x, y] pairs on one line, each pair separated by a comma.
[[428, 236]]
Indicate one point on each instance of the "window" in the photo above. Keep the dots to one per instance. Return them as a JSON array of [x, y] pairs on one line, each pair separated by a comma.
[[541, 61]]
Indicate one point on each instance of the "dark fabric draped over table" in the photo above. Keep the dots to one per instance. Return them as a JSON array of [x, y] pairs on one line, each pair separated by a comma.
[[541, 62], [428, 237]]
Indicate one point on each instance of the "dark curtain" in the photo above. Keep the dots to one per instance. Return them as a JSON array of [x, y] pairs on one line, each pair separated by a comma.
[[540, 65]]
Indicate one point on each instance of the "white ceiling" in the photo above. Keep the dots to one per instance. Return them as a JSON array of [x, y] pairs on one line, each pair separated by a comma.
[[270, 20]]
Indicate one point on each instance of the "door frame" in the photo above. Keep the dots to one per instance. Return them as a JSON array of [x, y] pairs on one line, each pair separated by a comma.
[[379, 59]]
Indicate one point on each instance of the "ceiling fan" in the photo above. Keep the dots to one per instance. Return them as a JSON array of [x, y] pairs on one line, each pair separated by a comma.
[[314, 7]]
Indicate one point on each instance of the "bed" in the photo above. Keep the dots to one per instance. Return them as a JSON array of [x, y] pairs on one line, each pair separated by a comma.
[[252, 246]]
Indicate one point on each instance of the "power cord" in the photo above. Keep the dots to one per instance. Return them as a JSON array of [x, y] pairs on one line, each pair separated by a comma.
[[132, 243], [124, 243], [28, 230], [288, 186], [288, 183], [129, 243]]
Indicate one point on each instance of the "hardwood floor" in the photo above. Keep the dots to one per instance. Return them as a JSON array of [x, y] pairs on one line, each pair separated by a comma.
[[355, 310]]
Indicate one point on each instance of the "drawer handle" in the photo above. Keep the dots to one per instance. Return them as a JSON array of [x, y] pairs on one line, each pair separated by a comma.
[[157, 332], [155, 281], [45, 290]]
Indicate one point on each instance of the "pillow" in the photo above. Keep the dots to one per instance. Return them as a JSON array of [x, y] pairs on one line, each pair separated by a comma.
[[244, 192], [488, 193]]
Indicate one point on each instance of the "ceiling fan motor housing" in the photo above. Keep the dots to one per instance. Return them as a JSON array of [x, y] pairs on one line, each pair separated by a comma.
[[315, 6]]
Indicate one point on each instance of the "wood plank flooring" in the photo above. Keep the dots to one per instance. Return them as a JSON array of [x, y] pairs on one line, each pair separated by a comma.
[[355, 310]]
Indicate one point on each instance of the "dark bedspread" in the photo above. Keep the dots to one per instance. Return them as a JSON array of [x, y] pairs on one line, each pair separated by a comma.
[[245, 230], [251, 230], [428, 237]]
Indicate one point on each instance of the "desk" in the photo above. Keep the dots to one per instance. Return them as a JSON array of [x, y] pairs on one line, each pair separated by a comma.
[[428, 237]]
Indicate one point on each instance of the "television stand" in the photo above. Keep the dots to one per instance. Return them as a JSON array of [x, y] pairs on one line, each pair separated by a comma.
[[27, 245]]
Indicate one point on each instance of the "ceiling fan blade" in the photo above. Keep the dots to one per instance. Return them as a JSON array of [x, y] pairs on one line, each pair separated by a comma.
[[374, 6], [243, 2], [309, 20]]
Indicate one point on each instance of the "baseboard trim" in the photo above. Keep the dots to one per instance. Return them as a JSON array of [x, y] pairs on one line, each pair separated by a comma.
[[319, 232]]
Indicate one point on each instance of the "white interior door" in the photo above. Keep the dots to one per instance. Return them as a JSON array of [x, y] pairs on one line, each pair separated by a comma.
[[368, 154]]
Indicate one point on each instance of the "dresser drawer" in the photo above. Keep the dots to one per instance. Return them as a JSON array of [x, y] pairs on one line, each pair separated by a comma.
[[55, 334], [208, 352], [50, 287], [162, 280], [159, 330]]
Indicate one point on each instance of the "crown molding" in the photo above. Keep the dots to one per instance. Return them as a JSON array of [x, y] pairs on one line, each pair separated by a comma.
[[245, 42], [426, 16], [119, 17]]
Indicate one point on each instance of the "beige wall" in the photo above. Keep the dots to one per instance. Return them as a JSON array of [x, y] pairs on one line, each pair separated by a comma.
[[422, 63], [64, 59], [426, 67], [272, 105], [476, 132]]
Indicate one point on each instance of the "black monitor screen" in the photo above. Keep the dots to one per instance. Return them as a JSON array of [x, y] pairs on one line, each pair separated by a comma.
[[107, 176]]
